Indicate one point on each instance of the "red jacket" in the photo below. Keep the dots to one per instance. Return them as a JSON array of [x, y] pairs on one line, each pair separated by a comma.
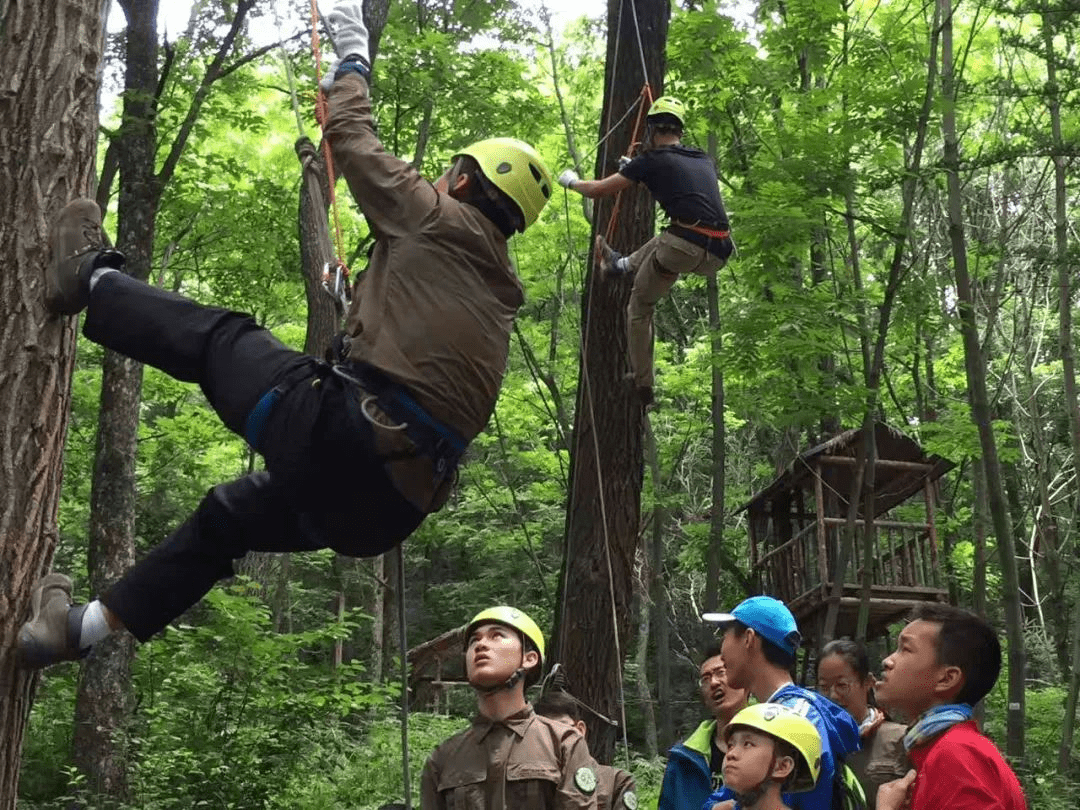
[[962, 770]]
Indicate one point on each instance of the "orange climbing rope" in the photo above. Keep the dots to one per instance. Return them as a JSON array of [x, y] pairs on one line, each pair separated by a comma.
[[320, 117], [645, 102]]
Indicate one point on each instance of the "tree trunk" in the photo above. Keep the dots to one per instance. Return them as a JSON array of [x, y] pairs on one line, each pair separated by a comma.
[[980, 405], [105, 698], [641, 660], [1068, 358], [378, 618], [593, 626], [391, 613], [48, 137], [1065, 294], [719, 442], [657, 599], [981, 520]]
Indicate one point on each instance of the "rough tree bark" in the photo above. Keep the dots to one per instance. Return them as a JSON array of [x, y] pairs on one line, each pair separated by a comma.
[[593, 628], [48, 137], [104, 699]]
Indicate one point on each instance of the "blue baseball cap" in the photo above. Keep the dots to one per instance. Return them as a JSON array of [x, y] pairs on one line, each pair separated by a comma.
[[767, 617]]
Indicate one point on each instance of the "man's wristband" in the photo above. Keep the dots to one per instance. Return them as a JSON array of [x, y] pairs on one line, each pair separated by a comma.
[[354, 64]]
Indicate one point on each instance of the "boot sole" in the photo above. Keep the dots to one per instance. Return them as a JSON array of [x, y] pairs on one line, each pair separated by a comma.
[[48, 581], [58, 295]]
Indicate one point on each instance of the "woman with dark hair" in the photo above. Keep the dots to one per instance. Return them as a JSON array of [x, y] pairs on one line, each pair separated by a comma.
[[844, 677]]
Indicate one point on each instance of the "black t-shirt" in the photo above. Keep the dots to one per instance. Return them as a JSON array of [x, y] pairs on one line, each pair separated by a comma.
[[683, 181], [716, 764]]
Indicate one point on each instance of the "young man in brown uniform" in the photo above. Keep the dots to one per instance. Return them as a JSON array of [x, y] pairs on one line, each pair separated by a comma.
[[357, 454], [510, 758], [615, 788]]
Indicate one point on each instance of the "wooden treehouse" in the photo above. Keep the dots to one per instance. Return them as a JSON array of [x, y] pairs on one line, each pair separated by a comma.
[[797, 522]]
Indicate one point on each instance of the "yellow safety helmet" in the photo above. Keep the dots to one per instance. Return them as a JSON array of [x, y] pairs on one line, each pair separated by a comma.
[[668, 105], [784, 724], [511, 617], [516, 170]]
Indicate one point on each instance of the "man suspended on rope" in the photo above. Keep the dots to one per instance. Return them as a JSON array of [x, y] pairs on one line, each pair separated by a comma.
[[683, 181], [358, 453], [510, 758], [615, 788]]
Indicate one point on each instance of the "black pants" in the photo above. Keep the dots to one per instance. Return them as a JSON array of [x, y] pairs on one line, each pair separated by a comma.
[[324, 486]]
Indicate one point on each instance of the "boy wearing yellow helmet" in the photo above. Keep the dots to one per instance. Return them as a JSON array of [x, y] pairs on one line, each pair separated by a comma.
[[357, 453], [771, 750], [683, 181], [509, 758]]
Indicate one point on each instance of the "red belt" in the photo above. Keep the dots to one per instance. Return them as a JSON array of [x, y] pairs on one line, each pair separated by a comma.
[[709, 232]]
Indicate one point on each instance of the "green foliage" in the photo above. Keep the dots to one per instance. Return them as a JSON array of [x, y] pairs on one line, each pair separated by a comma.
[[811, 114]]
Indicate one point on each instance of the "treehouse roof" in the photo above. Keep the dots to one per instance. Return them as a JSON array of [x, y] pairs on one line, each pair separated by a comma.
[[892, 485]]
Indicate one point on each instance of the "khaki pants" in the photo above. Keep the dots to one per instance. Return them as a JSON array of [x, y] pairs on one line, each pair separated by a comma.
[[656, 266]]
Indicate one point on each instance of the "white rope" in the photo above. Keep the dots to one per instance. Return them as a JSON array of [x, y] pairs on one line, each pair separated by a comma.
[[640, 47]]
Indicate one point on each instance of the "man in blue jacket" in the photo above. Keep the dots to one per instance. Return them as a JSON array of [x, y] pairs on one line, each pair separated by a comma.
[[760, 639], [693, 766]]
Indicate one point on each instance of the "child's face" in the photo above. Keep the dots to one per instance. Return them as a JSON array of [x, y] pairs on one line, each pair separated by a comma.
[[911, 674], [749, 760]]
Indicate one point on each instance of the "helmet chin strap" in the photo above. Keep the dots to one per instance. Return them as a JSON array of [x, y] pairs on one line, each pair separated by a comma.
[[508, 684], [750, 797]]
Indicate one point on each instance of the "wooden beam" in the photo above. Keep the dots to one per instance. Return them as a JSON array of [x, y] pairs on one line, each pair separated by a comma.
[[883, 524], [819, 498], [881, 463], [931, 528]]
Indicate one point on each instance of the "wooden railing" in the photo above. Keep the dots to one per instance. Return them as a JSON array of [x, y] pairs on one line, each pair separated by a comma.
[[904, 555]]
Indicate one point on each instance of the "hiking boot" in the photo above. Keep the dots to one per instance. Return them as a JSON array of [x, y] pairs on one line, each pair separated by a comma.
[[606, 258], [78, 248], [52, 634]]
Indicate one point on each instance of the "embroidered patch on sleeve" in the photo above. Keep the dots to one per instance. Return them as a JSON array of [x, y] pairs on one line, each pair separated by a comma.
[[585, 780]]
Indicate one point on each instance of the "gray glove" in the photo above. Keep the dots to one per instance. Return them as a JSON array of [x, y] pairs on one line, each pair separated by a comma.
[[327, 81], [568, 178], [347, 29]]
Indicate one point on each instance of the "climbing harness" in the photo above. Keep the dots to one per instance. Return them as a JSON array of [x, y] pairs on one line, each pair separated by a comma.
[[440, 443], [714, 240], [259, 416]]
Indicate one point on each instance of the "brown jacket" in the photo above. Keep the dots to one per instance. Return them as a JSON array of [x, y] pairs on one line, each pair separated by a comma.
[[881, 759], [526, 762], [437, 302], [615, 789]]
